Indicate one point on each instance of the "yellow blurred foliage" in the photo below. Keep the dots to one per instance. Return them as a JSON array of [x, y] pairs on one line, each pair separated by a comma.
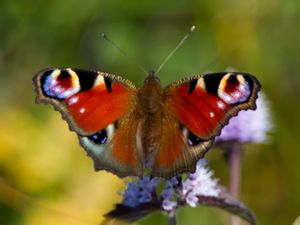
[[38, 157]]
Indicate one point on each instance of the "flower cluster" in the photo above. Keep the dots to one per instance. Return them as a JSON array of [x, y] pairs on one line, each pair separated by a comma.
[[141, 191], [200, 183], [176, 191]]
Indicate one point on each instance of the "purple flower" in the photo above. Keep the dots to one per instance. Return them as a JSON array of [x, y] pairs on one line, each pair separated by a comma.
[[169, 205], [199, 183], [146, 195], [140, 191], [175, 190], [249, 126]]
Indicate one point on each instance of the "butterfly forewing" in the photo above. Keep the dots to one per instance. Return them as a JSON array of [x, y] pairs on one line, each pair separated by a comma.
[[204, 104], [88, 100]]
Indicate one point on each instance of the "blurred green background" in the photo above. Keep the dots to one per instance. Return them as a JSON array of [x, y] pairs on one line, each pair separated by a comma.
[[45, 178]]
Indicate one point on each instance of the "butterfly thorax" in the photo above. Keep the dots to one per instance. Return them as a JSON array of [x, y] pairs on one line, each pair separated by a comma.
[[150, 94], [150, 97]]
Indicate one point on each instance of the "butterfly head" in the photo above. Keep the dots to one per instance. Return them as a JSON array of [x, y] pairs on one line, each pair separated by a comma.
[[150, 93], [151, 78]]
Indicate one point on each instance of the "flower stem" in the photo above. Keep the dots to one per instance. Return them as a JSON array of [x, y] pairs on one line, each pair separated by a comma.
[[235, 157], [172, 218]]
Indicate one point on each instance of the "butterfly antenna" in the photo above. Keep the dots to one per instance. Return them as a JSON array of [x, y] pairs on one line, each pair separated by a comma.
[[175, 49], [131, 60]]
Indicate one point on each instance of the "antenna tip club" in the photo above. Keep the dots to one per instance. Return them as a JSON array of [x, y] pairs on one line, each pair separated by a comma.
[[192, 28]]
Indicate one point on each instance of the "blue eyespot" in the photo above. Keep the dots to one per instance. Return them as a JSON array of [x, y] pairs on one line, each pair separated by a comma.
[[193, 139], [54, 84], [99, 137]]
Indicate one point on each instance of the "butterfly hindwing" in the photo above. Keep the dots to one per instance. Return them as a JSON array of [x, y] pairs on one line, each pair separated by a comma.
[[178, 151], [114, 148], [99, 107]]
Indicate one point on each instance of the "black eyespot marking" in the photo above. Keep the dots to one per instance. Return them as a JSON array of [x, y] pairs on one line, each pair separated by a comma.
[[86, 78], [193, 140], [64, 74], [107, 82], [99, 137], [192, 85], [116, 125], [212, 82], [250, 81], [181, 127], [233, 79]]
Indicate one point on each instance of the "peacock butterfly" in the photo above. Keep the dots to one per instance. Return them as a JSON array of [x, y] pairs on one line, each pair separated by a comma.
[[125, 129]]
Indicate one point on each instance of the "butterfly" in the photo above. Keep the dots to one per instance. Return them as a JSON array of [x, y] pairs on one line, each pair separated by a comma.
[[128, 130]]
